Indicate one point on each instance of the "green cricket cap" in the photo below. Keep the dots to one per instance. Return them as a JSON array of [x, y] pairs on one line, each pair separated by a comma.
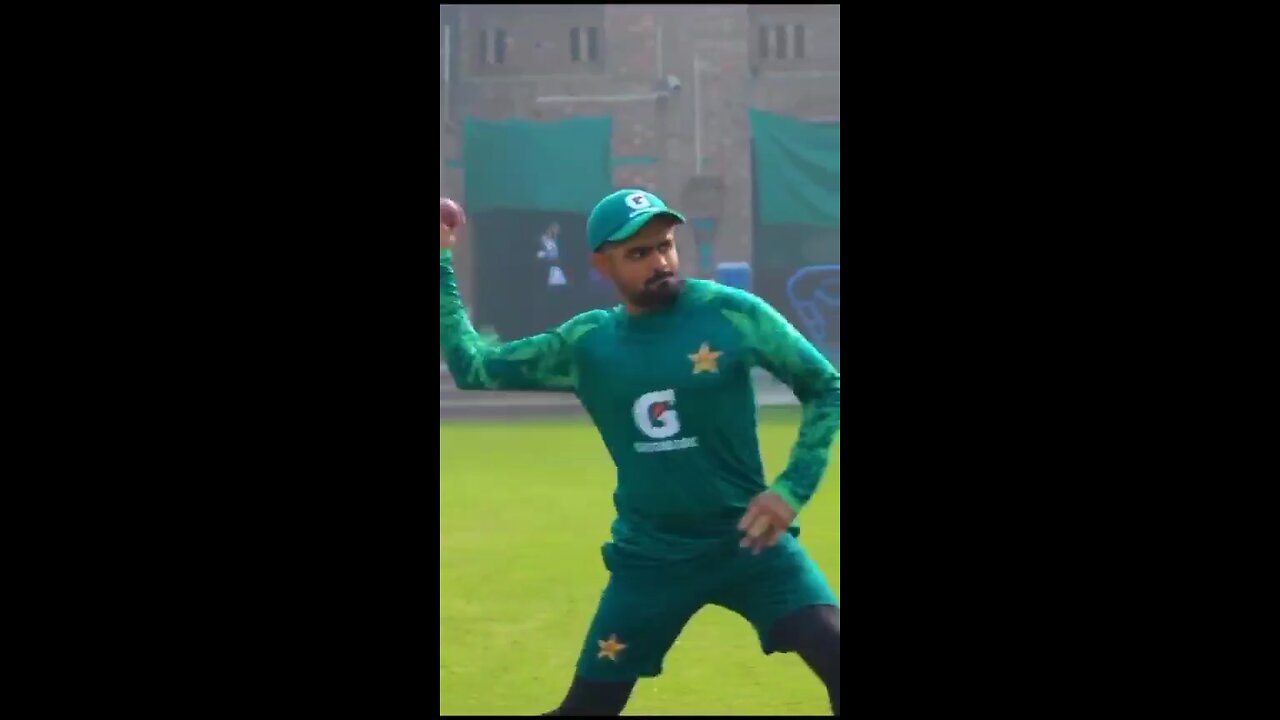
[[622, 213]]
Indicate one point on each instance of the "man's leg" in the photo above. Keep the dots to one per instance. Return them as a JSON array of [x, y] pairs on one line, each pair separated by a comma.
[[636, 623], [813, 632], [595, 698], [787, 598]]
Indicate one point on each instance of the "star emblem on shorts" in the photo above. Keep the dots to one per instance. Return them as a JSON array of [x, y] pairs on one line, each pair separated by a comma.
[[610, 648], [705, 359]]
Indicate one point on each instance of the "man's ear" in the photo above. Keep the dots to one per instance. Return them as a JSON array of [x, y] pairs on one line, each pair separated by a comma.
[[600, 262]]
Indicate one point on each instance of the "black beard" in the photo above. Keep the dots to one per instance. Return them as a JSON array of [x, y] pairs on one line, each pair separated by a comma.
[[658, 294]]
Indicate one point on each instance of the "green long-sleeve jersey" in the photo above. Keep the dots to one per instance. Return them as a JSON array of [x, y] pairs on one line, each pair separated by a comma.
[[671, 395]]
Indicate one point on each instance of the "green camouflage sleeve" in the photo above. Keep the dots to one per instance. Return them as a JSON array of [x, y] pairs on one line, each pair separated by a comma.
[[542, 362], [779, 348]]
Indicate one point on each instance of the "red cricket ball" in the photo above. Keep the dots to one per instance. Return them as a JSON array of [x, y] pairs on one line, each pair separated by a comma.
[[451, 214]]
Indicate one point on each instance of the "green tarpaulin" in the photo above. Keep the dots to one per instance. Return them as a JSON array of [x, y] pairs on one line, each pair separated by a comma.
[[518, 164], [797, 170]]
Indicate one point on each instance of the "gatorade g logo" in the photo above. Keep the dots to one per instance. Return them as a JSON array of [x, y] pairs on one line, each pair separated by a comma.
[[638, 202], [654, 415]]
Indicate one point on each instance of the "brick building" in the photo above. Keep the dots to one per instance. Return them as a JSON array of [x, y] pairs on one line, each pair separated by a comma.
[[637, 63]]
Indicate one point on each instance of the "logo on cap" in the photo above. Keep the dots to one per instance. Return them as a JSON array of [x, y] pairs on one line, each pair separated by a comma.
[[638, 202]]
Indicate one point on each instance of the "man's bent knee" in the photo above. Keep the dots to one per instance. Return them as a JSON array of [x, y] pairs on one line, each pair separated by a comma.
[[808, 629]]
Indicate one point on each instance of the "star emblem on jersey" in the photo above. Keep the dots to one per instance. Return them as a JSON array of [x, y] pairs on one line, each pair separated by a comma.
[[705, 359], [610, 648]]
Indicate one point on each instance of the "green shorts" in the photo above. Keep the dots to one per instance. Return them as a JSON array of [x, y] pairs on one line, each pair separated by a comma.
[[642, 612]]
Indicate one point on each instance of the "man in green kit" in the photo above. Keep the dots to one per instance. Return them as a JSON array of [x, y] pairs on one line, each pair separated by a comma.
[[665, 378]]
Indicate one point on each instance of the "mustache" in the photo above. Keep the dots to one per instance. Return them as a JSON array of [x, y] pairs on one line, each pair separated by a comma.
[[658, 277]]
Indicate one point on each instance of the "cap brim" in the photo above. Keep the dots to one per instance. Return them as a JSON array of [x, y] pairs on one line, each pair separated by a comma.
[[634, 224]]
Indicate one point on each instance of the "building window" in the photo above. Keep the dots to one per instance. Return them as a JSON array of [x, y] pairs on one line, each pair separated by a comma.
[[591, 40], [782, 41], [493, 46]]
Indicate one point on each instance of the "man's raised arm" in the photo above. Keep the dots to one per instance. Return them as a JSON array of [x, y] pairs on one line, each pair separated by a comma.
[[541, 362]]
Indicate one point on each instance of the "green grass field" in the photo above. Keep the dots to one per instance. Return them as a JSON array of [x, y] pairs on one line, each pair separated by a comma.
[[524, 508]]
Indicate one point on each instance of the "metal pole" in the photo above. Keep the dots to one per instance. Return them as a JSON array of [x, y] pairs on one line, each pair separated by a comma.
[[661, 75], [444, 104], [697, 117]]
